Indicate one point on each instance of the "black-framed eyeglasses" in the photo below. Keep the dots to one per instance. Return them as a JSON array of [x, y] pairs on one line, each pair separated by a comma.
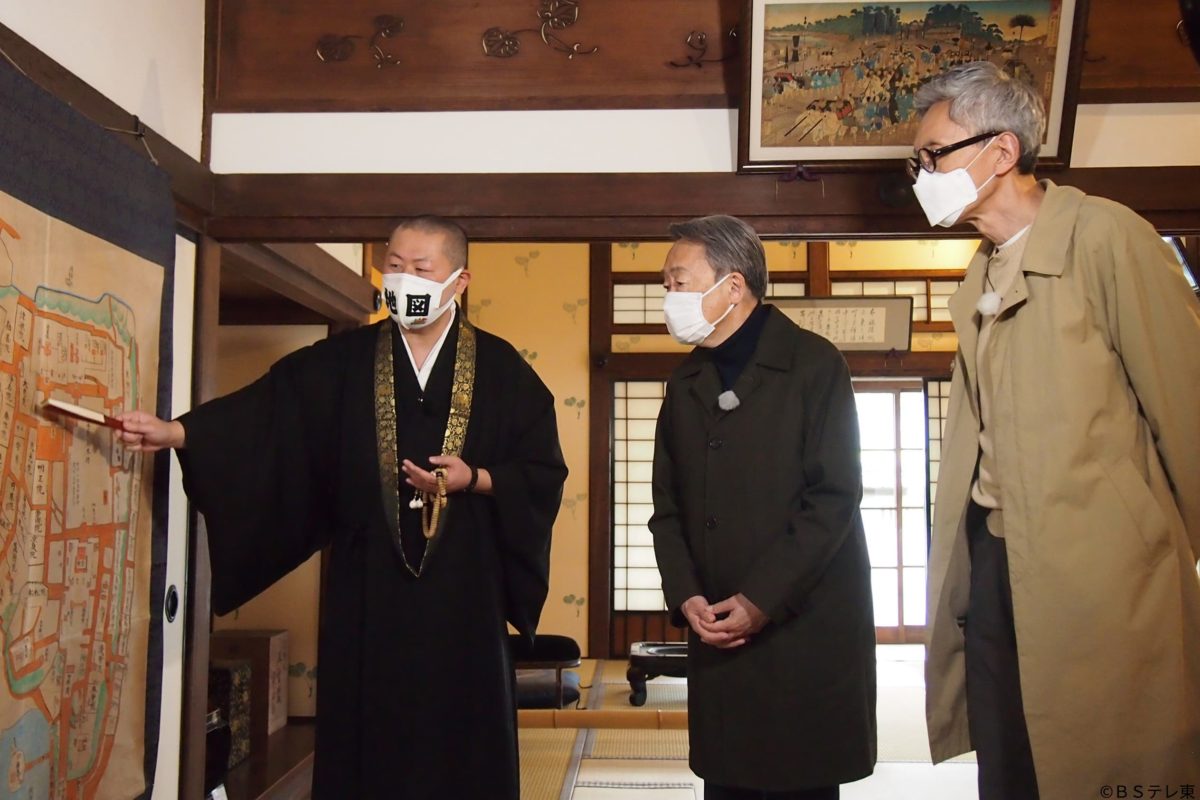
[[926, 159]]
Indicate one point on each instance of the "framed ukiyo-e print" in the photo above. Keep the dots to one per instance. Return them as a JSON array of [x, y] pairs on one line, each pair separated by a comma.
[[832, 83]]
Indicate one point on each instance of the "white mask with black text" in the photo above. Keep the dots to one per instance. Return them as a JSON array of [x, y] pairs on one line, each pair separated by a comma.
[[409, 298], [684, 313], [944, 196]]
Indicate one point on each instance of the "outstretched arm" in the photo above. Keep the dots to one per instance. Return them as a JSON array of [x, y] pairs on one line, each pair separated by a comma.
[[147, 433]]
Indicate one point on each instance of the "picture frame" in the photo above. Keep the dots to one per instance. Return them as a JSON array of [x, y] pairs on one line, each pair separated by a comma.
[[829, 85]]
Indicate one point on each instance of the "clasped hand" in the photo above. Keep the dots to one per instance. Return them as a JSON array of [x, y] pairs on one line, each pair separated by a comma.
[[458, 474], [742, 620]]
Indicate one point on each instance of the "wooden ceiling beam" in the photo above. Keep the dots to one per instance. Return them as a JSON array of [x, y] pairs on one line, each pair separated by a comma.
[[630, 206], [305, 275]]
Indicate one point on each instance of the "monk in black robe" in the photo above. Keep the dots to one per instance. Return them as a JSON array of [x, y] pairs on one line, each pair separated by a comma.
[[336, 446]]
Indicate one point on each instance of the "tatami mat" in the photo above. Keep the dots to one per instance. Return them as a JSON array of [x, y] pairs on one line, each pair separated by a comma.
[[611, 690], [632, 780], [625, 790], [547, 756], [654, 745], [613, 671], [660, 696]]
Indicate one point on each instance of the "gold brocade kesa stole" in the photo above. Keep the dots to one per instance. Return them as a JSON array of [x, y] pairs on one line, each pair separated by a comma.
[[461, 393]]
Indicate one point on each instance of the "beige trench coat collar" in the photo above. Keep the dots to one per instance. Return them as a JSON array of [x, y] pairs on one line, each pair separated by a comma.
[[1045, 254]]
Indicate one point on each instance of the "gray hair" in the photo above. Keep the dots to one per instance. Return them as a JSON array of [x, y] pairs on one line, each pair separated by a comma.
[[454, 243], [730, 245], [985, 98]]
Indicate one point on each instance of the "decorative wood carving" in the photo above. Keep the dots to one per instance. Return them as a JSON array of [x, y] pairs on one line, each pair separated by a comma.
[[266, 60], [332, 47], [555, 15], [697, 43]]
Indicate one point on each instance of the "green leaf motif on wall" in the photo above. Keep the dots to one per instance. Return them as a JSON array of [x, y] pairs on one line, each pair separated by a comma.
[[632, 247], [300, 670], [577, 404], [475, 310], [529, 355], [573, 308], [623, 345], [571, 502], [524, 261], [572, 600]]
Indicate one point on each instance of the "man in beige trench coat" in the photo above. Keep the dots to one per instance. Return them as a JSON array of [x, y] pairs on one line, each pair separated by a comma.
[[1064, 638]]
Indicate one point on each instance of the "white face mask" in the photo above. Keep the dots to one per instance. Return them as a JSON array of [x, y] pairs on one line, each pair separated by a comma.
[[684, 312], [409, 299], [944, 196]]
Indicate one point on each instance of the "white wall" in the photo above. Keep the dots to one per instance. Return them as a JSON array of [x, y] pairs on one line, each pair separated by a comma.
[[688, 140], [349, 253], [1142, 135], [607, 141], [147, 56]]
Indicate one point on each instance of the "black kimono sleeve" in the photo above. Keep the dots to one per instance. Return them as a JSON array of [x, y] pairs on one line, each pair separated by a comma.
[[527, 488], [259, 464]]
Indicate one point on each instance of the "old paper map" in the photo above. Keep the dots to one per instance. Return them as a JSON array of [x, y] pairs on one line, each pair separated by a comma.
[[79, 321]]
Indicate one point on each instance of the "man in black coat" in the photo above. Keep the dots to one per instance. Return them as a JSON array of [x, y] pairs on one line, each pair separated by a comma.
[[424, 453], [757, 484]]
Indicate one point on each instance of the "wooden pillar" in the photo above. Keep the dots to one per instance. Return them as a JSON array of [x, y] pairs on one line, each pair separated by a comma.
[[819, 283], [198, 605], [599, 448]]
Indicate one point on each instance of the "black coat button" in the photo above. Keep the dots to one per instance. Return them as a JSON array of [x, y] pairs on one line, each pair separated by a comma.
[[711, 522], [715, 444]]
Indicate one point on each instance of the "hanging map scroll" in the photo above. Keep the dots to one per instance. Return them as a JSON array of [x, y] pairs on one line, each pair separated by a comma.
[[86, 231], [854, 323]]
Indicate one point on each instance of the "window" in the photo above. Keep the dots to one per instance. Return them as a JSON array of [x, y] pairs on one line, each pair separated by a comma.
[[900, 453], [937, 406], [892, 427], [637, 585], [930, 296], [638, 297], [638, 303]]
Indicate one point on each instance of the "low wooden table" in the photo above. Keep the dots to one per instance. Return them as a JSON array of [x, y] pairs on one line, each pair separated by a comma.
[[649, 660]]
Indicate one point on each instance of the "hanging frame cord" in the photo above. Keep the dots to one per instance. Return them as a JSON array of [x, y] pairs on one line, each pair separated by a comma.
[[139, 128], [138, 132]]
